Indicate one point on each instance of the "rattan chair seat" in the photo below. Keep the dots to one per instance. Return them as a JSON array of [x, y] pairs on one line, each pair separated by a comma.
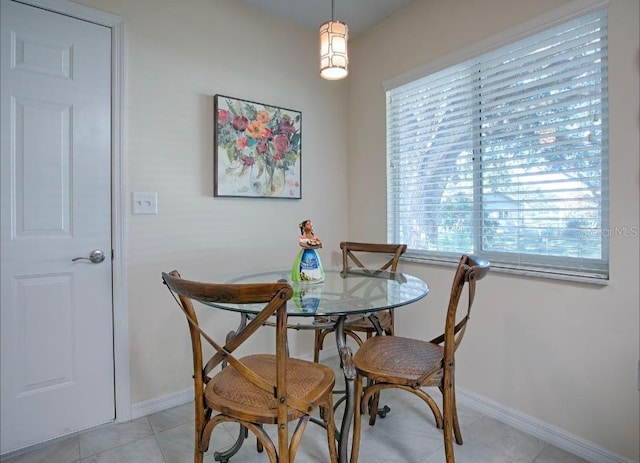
[[229, 391], [401, 359]]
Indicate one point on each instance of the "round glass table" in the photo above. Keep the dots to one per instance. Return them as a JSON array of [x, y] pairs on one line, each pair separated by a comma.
[[353, 292]]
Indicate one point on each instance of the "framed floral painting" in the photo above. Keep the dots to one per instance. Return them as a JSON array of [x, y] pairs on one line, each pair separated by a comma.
[[258, 149]]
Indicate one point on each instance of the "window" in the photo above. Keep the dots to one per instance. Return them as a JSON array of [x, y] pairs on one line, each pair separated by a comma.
[[506, 155]]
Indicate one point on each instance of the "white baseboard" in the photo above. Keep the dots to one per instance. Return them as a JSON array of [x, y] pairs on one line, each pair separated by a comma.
[[159, 404], [543, 431]]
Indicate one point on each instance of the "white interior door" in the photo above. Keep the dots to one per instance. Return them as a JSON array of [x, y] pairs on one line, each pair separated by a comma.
[[57, 369]]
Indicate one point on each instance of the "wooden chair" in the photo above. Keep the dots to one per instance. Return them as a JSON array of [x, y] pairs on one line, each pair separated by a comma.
[[354, 252], [411, 364], [257, 389]]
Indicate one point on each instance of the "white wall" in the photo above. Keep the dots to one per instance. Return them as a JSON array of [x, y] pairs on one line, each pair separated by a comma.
[[564, 353], [179, 54]]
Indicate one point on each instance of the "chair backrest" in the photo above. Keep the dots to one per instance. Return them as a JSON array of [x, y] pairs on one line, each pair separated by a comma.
[[470, 269], [273, 295], [351, 251]]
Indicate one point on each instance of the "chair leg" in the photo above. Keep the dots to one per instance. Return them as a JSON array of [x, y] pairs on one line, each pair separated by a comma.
[[456, 422], [198, 456], [259, 446], [201, 417], [392, 325], [357, 420], [316, 348], [318, 341], [373, 407], [326, 413], [448, 414]]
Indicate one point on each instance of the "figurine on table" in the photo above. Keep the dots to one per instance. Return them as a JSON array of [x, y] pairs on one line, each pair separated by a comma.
[[307, 239], [307, 268]]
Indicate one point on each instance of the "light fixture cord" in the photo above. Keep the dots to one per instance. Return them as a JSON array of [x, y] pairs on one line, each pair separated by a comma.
[[333, 2]]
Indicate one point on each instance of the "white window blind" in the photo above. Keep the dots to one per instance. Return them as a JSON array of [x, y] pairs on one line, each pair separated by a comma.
[[506, 155]]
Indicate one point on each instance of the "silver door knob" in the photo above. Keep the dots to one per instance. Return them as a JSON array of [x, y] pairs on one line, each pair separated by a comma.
[[96, 257]]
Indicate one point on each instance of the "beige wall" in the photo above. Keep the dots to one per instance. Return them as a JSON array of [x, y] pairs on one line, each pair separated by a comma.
[[179, 54], [564, 353]]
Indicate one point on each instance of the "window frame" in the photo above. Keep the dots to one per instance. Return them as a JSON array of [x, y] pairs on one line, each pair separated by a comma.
[[543, 267]]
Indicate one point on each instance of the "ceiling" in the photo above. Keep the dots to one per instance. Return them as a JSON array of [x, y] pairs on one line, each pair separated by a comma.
[[357, 14]]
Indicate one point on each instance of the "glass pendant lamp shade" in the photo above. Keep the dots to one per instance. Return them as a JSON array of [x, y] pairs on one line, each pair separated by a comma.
[[334, 60]]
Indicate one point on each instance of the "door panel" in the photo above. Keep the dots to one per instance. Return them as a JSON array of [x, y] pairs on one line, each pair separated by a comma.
[[55, 192], [41, 179], [47, 354]]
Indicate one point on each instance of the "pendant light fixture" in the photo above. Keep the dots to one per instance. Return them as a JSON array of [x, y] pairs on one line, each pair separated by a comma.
[[334, 60]]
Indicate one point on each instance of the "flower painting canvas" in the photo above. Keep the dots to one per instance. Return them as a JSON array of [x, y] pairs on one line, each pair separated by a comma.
[[258, 149]]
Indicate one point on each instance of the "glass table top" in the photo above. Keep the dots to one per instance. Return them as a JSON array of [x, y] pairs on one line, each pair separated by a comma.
[[356, 293]]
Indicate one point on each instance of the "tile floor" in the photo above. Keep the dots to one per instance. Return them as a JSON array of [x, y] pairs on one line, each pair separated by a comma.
[[406, 435]]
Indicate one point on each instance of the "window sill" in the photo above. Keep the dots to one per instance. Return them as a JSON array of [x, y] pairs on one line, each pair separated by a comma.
[[504, 268]]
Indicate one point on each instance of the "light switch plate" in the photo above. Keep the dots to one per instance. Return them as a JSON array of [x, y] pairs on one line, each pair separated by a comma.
[[144, 202]]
